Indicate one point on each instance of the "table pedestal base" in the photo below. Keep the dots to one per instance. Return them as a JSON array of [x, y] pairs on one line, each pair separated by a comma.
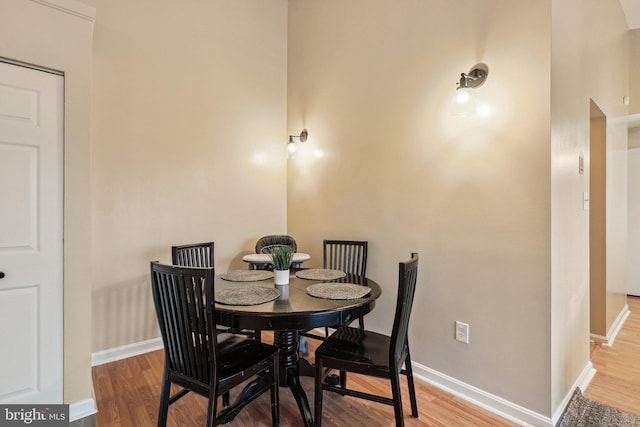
[[291, 368]]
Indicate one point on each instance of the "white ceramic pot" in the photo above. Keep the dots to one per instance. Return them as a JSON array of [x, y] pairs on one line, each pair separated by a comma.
[[281, 277]]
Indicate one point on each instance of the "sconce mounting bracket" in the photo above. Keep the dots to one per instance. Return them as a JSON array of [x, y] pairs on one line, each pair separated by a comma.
[[476, 76]]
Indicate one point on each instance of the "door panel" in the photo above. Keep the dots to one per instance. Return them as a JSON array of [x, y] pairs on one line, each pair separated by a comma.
[[21, 305], [18, 228], [31, 117], [18, 105]]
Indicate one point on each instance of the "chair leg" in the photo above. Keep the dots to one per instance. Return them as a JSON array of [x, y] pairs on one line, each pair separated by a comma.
[[212, 405], [361, 322], [412, 388], [225, 399], [164, 398], [275, 399], [397, 398], [343, 379], [318, 393]]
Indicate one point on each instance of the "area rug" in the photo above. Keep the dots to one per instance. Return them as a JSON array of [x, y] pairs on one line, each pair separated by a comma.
[[583, 412]]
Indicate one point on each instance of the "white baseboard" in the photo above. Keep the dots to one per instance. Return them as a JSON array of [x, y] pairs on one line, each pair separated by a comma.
[[614, 330], [499, 406], [582, 383], [129, 350], [585, 378], [81, 409]]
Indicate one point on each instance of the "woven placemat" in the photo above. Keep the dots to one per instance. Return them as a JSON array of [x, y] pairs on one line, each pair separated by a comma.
[[320, 274], [246, 295], [247, 275], [338, 290]]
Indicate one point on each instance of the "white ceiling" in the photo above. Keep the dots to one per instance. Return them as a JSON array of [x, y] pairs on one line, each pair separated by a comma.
[[632, 12]]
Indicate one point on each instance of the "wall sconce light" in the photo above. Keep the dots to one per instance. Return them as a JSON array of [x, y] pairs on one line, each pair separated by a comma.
[[291, 145], [464, 102]]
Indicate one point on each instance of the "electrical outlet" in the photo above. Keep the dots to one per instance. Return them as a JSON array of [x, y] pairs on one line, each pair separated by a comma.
[[462, 332]]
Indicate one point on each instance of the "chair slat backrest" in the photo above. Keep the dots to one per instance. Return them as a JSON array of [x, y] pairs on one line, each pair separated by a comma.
[[407, 279], [183, 298], [266, 243], [347, 255], [193, 255]]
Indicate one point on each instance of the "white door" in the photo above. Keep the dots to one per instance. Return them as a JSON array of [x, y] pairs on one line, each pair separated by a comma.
[[31, 112]]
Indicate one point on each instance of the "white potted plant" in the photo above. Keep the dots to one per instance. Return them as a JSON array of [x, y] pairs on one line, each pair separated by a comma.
[[282, 257]]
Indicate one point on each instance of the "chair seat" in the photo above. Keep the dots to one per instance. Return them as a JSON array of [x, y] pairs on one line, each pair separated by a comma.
[[367, 348], [238, 353]]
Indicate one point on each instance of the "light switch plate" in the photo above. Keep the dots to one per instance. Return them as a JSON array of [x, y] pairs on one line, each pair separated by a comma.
[[581, 165]]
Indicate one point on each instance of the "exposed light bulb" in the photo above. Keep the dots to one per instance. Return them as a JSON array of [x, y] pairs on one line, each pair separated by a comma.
[[291, 146], [464, 103], [462, 95]]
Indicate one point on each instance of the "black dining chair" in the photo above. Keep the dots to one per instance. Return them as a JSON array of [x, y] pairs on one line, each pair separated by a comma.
[[349, 256], [202, 255], [370, 353], [196, 357], [193, 255], [265, 244]]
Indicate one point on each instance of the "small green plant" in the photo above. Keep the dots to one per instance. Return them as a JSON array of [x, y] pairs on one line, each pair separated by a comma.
[[282, 257]]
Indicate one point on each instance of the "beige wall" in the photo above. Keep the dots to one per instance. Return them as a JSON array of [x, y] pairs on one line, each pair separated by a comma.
[[189, 107], [633, 269], [570, 223], [633, 266], [576, 47], [372, 81], [608, 54], [634, 88], [598, 223], [608, 51], [49, 37], [634, 61], [634, 137]]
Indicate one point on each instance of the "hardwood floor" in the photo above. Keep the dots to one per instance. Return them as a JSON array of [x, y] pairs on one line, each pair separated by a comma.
[[128, 392], [617, 381]]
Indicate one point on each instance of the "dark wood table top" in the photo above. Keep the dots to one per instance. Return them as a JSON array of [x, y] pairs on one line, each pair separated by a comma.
[[295, 309]]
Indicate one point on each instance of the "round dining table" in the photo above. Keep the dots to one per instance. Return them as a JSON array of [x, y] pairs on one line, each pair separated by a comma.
[[292, 311]]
